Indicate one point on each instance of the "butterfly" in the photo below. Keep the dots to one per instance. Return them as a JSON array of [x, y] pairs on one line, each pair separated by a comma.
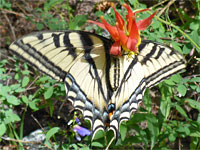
[[105, 88]]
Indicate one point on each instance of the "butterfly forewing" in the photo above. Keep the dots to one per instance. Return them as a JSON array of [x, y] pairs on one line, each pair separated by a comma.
[[159, 62], [93, 78]]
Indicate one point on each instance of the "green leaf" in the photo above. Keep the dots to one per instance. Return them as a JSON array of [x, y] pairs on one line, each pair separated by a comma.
[[182, 89], [77, 22], [17, 76], [20, 89], [181, 111], [43, 79], [15, 86], [186, 50], [153, 128], [25, 72], [193, 104], [51, 132], [4, 90], [176, 78], [13, 100], [176, 46], [39, 26], [97, 144], [100, 134], [195, 79], [2, 129], [10, 117], [123, 131], [25, 81], [165, 107], [147, 100], [170, 82], [51, 107], [50, 4], [194, 25], [137, 118], [85, 148], [25, 99], [156, 24], [183, 131], [48, 93], [74, 146], [195, 37], [33, 104], [172, 137], [195, 134]]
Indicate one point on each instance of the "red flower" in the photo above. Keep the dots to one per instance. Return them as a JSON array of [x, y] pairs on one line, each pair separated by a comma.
[[125, 33]]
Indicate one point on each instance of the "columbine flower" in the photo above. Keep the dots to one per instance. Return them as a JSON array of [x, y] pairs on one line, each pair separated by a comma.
[[125, 33]]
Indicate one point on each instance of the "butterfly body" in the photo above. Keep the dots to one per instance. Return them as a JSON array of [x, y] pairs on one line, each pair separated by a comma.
[[105, 88]]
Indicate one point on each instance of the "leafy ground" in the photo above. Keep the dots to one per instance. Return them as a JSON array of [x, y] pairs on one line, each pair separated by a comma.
[[30, 100]]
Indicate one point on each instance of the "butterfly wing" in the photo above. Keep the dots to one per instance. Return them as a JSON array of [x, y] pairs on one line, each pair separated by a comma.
[[77, 58], [154, 63]]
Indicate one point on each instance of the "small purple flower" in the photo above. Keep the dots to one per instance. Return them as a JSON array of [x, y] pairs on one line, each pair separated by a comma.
[[78, 121], [78, 130], [81, 130]]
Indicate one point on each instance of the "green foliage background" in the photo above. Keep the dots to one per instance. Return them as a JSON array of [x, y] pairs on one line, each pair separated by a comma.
[[174, 124]]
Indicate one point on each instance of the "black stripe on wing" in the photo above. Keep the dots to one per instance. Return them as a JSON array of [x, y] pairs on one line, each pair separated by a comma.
[[85, 105], [44, 61]]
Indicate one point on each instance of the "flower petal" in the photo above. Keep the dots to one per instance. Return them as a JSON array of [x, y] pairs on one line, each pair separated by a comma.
[[129, 17], [132, 44], [119, 19], [134, 32], [143, 24], [101, 25], [116, 49], [111, 29], [81, 130], [78, 121], [141, 10], [122, 37]]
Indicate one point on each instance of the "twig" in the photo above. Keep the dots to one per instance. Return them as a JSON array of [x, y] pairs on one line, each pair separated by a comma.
[[158, 4], [21, 141], [179, 14], [40, 127], [12, 12], [193, 76], [110, 143], [167, 6], [37, 122], [177, 40], [22, 7], [31, 88], [12, 29]]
